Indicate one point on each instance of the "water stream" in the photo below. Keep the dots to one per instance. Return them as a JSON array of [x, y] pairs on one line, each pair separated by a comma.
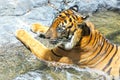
[[63, 72]]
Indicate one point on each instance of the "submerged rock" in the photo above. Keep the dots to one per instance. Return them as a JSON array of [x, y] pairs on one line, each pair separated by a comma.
[[15, 59]]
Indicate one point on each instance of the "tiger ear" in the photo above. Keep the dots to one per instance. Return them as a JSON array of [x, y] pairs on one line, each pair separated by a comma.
[[74, 8], [85, 17], [85, 28]]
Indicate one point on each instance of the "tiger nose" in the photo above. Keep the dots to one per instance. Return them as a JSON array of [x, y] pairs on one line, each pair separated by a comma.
[[44, 36], [55, 41], [47, 37]]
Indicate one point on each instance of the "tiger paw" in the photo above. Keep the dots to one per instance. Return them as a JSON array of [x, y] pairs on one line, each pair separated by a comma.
[[20, 33], [22, 36], [38, 28]]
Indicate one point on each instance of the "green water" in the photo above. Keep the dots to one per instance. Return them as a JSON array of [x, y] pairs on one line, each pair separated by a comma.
[[108, 23]]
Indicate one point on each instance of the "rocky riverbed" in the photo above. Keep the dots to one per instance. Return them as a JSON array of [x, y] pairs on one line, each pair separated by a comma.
[[15, 59]]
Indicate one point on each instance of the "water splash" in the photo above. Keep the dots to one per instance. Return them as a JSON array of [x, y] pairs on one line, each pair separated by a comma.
[[63, 72]]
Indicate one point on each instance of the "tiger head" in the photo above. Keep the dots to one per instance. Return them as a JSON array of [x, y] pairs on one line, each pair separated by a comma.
[[67, 28]]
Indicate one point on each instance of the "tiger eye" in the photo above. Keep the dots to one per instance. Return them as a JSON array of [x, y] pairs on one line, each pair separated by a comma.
[[60, 29]]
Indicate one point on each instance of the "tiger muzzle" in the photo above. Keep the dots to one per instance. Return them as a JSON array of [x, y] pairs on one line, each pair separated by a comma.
[[54, 41]]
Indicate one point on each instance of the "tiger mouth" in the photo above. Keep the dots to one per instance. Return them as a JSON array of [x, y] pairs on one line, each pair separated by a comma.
[[58, 41], [54, 41]]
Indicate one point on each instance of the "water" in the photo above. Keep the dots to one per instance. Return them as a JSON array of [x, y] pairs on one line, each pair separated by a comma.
[[108, 23], [63, 72]]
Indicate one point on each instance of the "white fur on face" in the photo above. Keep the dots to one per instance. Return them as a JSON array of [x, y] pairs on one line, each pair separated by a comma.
[[74, 40], [71, 44]]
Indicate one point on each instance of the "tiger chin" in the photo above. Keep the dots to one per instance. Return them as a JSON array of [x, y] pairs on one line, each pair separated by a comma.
[[77, 42]]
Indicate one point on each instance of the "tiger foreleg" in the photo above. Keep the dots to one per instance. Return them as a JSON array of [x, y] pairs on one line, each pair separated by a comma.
[[35, 46]]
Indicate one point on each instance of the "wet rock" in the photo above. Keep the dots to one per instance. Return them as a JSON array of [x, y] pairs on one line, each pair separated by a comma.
[[39, 15], [14, 7]]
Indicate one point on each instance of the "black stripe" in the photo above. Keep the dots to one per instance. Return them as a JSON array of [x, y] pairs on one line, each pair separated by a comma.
[[88, 41], [107, 56], [95, 40], [77, 17], [108, 46], [68, 33], [109, 70], [108, 64], [70, 26], [119, 72], [113, 78], [74, 17], [65, 21], [74, 31], [55, 53], [61, 48], [70, 19]]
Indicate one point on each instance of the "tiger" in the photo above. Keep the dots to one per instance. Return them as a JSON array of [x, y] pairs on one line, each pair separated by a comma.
[[76, 41]]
